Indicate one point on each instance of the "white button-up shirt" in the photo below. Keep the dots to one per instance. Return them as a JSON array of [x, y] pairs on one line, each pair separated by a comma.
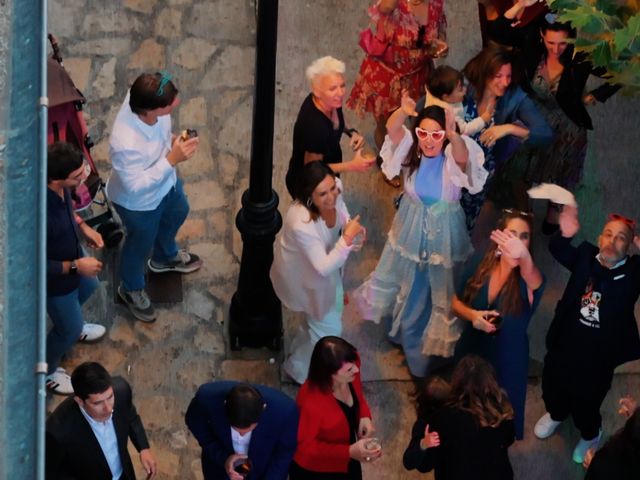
[[105, 433], [240, 442], [141, 175]]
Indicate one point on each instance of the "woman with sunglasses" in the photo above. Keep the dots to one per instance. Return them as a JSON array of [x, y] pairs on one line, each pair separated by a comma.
[[334, 433], [414, 276], [317, 238], [498, 298]]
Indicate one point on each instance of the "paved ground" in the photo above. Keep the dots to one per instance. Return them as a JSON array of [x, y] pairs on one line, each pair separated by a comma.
[[209, 44]]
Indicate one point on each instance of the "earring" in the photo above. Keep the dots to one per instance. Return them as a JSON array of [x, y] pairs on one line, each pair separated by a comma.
[[309, 202]]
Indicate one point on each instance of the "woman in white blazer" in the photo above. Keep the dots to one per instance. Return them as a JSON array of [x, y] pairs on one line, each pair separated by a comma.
[[317, 237]]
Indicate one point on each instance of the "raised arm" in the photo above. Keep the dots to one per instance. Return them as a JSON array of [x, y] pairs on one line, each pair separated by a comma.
[[458, 147], [396, 119]]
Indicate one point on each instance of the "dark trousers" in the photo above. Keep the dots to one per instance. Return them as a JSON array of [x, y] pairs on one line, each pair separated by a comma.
[[568, 390]]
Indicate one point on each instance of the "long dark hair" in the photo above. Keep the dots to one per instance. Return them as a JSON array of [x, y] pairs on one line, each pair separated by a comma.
[[328, 356], [511, 301], [310, 176], [486, 64], [566, 27], [435, 113], [474, 389]]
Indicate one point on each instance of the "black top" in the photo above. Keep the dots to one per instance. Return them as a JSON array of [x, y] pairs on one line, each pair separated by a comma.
[[313, 132], [573, 79], [62, 243], [594, 325], [466, 450], [613, 463], [354, 472]]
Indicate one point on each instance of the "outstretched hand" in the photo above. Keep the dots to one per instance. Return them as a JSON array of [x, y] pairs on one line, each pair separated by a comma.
[[568, 221], [408, 104], [509, 245]]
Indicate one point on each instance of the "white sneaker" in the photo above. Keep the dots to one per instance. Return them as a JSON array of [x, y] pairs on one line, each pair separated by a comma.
[[584, 445], [59, 382], [91, 332], [545, 426]]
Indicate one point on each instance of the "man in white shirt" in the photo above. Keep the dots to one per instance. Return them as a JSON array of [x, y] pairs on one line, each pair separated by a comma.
[[101, 408], [146, 190]]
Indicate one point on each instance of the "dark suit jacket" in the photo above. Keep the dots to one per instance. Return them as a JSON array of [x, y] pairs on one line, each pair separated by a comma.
[[72, 450], [273, 441]]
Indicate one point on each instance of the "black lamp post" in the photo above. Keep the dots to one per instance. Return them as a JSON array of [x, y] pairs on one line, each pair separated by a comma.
[[256, 313]]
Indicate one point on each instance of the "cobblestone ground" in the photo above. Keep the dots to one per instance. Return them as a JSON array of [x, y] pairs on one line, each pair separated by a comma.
[[208, 45]]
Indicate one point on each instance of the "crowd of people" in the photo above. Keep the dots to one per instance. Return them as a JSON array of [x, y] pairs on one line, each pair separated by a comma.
[[459, 142]]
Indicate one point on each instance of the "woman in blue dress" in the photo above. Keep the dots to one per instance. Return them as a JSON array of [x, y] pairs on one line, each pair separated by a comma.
[[507, 285], [515, 121], [413, 280]]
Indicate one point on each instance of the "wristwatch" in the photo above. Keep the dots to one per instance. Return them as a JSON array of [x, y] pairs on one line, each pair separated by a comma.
[[73, 268]]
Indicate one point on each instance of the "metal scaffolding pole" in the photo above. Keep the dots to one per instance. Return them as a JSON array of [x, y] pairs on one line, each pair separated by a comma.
[[23, 120]]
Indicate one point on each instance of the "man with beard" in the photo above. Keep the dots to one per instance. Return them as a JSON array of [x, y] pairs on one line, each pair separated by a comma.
[[594, 328]]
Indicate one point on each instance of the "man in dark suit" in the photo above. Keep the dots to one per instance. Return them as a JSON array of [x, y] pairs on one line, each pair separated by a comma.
[[233, 421], [86, 436]]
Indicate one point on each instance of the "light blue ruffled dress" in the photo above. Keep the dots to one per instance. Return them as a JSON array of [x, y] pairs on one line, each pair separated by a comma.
[[414, 279]]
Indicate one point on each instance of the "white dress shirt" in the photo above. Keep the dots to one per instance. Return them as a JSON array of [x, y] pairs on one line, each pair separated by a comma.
[[240, 442], [105, 433], [141, 175]]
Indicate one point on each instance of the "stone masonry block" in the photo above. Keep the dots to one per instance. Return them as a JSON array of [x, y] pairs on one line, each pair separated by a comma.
[[205, 195], [168, 23], [142, 6], [150, 55], [230, 21], [193, 53], [78, 69], [104, 85], [193, 112], [192, 229], [234, 66]]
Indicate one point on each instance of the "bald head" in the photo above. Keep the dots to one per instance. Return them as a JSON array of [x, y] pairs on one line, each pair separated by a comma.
[[614, 242]]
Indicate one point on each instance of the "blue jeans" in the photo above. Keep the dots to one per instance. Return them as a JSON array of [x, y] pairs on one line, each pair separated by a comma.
[[151, 232], [65, 313]]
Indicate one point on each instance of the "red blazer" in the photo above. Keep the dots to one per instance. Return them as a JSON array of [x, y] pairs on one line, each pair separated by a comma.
[[323, 431]]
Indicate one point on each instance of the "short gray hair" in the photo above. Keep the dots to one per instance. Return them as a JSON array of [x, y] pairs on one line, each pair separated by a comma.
[[324, 66]]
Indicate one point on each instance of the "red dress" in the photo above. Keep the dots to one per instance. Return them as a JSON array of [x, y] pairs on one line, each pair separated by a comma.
[[379, 84]]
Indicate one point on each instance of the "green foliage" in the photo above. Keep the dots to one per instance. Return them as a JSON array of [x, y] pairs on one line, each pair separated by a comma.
[[609, 30]]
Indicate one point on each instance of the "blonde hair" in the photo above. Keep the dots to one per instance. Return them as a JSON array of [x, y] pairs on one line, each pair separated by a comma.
[[324, 66]]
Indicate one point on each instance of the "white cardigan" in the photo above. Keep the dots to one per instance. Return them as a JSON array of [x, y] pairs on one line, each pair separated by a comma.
[[307, 260]]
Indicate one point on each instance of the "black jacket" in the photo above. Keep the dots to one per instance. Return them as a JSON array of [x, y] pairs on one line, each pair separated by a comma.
[[573, 79], [72, 450], [467, 451]]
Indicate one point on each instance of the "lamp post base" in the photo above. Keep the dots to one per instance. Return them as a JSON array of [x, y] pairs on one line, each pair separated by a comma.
[[255, 316]]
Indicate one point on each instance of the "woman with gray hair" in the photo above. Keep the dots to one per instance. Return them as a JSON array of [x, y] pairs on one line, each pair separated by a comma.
[[320, 125]]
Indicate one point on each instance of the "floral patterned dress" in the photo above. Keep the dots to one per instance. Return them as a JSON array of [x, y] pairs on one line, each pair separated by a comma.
[[379, 84]]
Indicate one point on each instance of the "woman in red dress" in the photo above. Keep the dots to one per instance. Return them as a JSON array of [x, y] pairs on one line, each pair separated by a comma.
[[414, 33]]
